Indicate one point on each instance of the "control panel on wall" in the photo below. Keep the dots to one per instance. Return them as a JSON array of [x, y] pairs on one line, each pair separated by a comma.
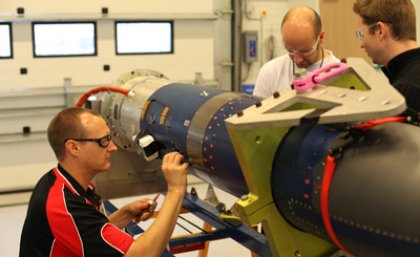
[[250, 41]]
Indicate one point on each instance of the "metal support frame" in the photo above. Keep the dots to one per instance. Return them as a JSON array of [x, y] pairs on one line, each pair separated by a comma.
[[238, 231], [235, 229]]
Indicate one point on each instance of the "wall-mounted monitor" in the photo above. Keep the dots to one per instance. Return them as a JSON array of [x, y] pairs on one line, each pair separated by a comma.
[[62, 39], [6, 50], [144, 37]]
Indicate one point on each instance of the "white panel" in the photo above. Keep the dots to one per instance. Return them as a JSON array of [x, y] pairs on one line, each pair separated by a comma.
[[193, 42], [22, 163], [37, 121], [193, 52]]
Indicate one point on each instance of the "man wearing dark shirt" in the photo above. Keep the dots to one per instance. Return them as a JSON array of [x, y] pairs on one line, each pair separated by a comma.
[[64, 217], [387, 32]]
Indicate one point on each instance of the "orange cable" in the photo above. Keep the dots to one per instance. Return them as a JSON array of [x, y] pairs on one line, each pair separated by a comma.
[[83, 99]]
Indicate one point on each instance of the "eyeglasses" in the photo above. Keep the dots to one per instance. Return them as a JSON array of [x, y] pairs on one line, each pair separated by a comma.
[[361, 32], [304, 52], [102, 142]]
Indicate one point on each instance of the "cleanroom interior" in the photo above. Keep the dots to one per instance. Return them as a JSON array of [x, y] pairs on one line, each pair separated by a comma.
[[217, 44]]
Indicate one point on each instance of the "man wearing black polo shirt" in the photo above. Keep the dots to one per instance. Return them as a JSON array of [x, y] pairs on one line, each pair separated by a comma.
[[387, 32], [63, 217]]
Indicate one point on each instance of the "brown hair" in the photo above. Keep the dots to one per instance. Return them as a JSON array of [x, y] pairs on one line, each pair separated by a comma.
[[314, 20], [66, 125], [399, 14]]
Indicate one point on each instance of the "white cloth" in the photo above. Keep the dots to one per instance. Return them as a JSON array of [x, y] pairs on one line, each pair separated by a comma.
[[277, 74]]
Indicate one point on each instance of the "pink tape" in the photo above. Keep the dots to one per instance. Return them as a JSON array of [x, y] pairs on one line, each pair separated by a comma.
[[315, 77]]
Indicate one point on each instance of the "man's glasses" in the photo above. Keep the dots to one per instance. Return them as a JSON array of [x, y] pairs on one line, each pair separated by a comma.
[[102, 142], [360, 33], [304, 52]]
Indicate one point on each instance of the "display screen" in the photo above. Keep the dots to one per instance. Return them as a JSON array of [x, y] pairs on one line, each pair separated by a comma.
[[64, 39], [144, 37], [5, 40]]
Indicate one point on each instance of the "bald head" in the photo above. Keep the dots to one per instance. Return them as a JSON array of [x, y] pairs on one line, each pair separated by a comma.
[[301, 18], [302, 36]]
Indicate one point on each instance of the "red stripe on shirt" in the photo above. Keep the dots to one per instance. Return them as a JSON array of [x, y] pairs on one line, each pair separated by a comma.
[[116, 238], [62, 224]]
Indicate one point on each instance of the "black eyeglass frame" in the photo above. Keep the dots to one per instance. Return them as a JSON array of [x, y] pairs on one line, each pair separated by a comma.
[[102, 141]]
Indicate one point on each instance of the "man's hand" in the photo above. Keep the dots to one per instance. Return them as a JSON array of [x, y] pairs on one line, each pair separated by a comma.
[[141, 210], [145, 214], [175, 171]]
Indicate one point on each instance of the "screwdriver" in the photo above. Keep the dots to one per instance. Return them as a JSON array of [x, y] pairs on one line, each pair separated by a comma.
[[151, 208]]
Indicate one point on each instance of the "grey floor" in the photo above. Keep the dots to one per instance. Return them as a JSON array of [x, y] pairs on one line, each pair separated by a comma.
[[12, 217]]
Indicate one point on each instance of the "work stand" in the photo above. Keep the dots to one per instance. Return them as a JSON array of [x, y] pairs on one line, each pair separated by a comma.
[[218, 224]]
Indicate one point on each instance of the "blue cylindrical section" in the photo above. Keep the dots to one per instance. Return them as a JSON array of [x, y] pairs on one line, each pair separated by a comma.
[[218, 153], [373, 197], [182, 102], [295, 181], [168, 117]]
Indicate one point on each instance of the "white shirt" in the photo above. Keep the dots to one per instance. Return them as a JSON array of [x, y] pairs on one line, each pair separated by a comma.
[[277, 74]]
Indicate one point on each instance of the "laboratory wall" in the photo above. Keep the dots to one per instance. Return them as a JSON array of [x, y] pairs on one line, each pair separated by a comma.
[[33, 89], [193, 41]]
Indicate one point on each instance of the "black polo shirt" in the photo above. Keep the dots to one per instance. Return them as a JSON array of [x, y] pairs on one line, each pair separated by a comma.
[[403, 72], [64, 220]]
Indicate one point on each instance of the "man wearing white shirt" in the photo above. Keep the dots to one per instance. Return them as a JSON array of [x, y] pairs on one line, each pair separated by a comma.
[[302, 37]]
